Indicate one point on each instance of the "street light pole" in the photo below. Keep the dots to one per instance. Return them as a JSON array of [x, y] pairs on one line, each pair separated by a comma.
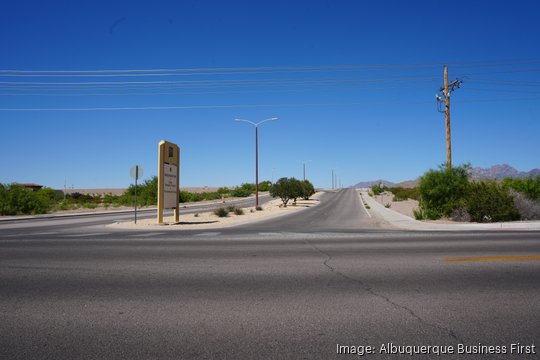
[[305, 162], [256, 153]]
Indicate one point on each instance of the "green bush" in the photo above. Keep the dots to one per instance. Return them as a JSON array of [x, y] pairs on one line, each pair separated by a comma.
[[238, 211], [377, 189], [265, 186], [530, 187], [401, 193], [442, 191], [419, 214], [243, 190], [221, 212], [490, 202], [146, 193], [18, 200]]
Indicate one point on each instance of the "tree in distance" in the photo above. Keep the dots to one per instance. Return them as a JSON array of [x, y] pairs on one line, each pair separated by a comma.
[[291, 188]]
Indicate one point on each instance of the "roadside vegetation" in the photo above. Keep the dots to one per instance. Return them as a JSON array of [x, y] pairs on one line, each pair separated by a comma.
[[449, 193], [291, 189], [18, 200]]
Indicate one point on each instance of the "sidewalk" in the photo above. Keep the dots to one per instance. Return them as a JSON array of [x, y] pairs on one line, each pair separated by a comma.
[[405, 222]]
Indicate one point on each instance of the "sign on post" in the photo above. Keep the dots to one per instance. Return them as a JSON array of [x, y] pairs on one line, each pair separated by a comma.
[[136, 173], [168, 179]]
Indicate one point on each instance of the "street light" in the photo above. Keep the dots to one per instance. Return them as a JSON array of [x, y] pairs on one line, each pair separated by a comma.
[[305, 162], [256, 153]]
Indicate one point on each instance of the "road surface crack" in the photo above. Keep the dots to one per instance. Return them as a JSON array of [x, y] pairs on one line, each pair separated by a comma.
[[371, 291]]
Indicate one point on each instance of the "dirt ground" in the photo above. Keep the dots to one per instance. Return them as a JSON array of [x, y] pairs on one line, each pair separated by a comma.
[[403, 207]]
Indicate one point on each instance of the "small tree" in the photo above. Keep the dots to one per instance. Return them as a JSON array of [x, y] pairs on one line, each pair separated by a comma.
[[296, 188], [282, 189], [307, 189]]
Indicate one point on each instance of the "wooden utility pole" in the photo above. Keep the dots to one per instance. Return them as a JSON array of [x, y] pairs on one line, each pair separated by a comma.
[[447, 106]]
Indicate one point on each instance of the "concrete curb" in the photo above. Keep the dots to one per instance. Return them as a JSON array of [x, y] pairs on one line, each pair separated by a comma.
[[405, 222]]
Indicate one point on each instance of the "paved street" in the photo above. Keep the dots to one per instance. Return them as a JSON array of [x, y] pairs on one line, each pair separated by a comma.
[[291, 287]]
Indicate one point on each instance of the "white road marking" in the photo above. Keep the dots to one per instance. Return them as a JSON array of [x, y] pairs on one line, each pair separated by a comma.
[[362, 201], [208, 234], [148, 234], [86, 235], [270, 233], [30, 234]]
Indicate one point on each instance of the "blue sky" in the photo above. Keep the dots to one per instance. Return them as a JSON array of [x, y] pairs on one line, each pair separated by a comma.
[[352, 82]]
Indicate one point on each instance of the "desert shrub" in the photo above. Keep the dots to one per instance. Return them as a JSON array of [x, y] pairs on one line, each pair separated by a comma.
[[401, 193], [265, 185], [221, 212], [388, 205], [530, 187], [377, 189], [185, 196], [528, 209], [243, 190], [419, 214], [488, 201], [259, 208], [223, 191], [231, 208], [460, 214], [442, 191], [238, 211], [18, 200]]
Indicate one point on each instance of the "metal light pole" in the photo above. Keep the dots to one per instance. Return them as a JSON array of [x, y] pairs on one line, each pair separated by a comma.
[[256, 153], [305, 162]]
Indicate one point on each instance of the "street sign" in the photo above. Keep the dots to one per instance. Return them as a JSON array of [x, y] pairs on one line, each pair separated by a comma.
[[136, 172]]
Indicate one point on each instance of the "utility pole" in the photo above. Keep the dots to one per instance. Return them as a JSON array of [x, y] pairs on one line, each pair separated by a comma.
[[447, 108], [332, 179], [446, 90]]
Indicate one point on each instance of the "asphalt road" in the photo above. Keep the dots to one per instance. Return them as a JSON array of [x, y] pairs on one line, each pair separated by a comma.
[[290, 288]]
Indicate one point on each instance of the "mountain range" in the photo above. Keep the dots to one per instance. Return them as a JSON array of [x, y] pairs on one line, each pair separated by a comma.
[[496, 172]]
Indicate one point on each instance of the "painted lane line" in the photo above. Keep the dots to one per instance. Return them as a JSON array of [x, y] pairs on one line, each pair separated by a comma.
[[364, 206], [148, 234], [31, 234], [208, 234], [492, 258], [87, 235]]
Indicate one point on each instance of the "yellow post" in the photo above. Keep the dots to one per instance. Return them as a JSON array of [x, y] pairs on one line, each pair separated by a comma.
[[168, 179]]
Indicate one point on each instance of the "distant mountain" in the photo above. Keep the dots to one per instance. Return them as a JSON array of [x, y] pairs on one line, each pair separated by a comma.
[[499, 172], [366, 184]]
